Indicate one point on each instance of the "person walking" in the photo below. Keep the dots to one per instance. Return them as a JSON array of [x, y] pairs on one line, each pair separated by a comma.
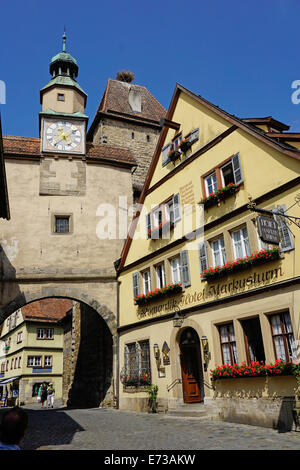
[[50, 395], [13, 427], [44, 394]]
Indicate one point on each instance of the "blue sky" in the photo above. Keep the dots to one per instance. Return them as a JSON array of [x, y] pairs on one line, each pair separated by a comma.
[[242, 56]]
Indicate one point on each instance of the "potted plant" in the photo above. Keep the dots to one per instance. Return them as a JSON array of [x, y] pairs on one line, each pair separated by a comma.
[[174, 155], [152, 391], [185, 145]]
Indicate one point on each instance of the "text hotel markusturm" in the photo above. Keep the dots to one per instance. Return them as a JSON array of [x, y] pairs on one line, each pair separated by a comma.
[[154, 458]]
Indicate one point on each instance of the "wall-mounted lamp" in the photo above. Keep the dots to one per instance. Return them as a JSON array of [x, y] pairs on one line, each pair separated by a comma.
[[205, 347], [156, 351], [178, 318]]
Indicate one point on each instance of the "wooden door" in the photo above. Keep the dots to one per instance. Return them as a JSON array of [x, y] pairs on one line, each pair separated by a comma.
[[191, 373]]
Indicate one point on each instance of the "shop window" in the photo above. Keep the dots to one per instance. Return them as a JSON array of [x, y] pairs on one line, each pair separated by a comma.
[[228, 344], [283, 337], [253, 340]]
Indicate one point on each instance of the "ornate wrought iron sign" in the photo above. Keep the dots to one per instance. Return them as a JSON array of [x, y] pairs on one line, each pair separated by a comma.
[[268, 229]]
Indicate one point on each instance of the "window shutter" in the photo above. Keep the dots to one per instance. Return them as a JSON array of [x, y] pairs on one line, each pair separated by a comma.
[[194, 136], [237, 169], [176, 207], [135, 282], [165, 152], [184, 269], [203, 256], [148, 224], [286, 237]]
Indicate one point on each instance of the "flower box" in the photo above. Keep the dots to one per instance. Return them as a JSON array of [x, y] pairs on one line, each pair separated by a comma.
[[185, 145], [220, 195], [174, 155], [173, 288], [240, 264], [137, 381], [162, 229], [255, 369]]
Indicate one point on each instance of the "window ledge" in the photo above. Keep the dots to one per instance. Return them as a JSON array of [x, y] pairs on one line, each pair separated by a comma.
[[220, 195], [263, 256]]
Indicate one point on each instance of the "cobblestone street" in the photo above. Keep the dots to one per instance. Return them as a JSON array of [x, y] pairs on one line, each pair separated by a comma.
[[107, 429]]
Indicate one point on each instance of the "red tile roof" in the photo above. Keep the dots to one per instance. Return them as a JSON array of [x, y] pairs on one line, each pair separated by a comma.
[[47, 310], [30, 146], [115, 99]]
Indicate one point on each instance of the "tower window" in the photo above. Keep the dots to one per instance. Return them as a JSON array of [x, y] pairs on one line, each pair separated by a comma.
[[60, 97], [132, 135], [62, 225], [148, 138]]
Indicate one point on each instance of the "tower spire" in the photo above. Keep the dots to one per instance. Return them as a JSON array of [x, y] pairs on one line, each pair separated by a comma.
[[64, 40]]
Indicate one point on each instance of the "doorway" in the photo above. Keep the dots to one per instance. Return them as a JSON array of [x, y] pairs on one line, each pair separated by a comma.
[[191, 368]]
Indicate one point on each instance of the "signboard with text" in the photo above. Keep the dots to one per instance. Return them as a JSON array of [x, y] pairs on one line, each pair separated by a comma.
[[268, 230]]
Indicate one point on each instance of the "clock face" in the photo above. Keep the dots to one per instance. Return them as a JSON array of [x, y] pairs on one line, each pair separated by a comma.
[[63, 136]]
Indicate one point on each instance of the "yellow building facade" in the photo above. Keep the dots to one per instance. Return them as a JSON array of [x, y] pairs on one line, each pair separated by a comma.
[[195, 246], [31, 353]]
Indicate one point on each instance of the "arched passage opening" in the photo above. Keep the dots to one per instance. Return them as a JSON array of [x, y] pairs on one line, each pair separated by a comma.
[[80, 357]]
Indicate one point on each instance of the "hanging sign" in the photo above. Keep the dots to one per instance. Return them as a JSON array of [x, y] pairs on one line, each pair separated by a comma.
[[268, 230]]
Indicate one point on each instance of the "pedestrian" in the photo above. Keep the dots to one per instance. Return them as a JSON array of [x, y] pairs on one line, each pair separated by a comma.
[[13, 427], [44, 394], [50, 395], [39, 394]]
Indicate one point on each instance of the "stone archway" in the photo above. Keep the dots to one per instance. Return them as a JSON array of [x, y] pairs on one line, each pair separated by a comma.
[[60, 292]]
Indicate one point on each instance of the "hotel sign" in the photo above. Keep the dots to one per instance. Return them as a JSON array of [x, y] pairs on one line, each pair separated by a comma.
[[268, 230]]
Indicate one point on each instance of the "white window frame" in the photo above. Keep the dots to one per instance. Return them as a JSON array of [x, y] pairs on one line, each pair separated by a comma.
[[34, 361], [221, 250], [160, 276], [47, 361], [243, 241], [146, 275], [214, 183], [175, 269]]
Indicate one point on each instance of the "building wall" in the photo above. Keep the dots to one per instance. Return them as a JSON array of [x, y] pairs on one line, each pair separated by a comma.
[[132, 136], [256, 292]]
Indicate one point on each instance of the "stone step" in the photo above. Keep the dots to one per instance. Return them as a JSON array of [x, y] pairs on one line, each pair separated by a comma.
[[191, 410]]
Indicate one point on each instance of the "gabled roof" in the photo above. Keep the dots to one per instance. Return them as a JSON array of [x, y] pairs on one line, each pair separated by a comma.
[[47, 310], [236, 123], [31, 147], [115, 103]]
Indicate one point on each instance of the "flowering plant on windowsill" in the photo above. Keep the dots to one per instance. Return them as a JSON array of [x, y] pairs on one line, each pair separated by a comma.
[[137, 380], [220, 194], [172, 288], [255, 369], [163, 227], [185, 145], [174, 154], [254, 259]]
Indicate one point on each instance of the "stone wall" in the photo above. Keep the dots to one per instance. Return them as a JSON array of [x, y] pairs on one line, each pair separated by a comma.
[[131, 136], [88, 360]]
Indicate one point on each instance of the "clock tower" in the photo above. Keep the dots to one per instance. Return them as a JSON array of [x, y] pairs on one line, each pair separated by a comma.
[[62, 119]]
